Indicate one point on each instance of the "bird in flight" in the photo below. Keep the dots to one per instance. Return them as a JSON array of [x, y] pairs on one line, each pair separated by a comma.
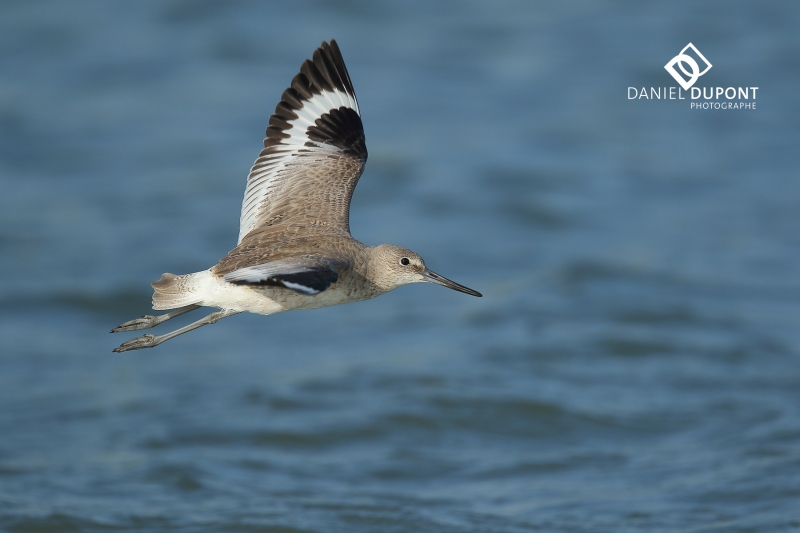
[[295, 250]]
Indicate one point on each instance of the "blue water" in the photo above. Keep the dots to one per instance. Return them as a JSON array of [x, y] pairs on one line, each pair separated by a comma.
[[634, 364]]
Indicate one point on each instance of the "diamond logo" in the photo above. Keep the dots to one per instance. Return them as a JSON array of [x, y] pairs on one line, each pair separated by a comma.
[[689, 57]]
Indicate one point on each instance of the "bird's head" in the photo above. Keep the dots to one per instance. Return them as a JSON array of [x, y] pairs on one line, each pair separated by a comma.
[[394, 266]]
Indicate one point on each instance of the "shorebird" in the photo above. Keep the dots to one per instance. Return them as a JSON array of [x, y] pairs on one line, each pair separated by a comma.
[[295, 250]]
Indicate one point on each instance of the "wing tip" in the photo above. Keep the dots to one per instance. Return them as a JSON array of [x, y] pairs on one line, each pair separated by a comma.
[[325, 73]]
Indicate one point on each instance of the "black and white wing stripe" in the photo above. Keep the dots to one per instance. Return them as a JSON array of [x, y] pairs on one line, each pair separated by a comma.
[[314, 151], [306, 275]]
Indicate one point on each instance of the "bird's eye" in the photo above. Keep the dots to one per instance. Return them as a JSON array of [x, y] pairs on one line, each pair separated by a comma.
[[404, 261]]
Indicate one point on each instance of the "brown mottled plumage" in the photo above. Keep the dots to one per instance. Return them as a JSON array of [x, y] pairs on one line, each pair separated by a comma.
[[295, 250]]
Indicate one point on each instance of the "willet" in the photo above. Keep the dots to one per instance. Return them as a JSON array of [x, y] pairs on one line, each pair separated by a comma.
[[295, 250]]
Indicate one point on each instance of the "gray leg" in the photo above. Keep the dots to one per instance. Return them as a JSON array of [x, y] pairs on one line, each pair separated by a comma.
[[149, 321], [148, 341]]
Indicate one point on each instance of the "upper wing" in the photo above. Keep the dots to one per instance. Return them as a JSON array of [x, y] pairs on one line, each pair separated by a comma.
[[306, 275], [314, 152]]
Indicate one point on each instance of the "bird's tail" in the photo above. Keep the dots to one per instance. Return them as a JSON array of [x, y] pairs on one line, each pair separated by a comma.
[[173, 291]]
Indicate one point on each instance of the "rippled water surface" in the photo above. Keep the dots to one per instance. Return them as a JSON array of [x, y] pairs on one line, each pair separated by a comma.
[[634, 364]]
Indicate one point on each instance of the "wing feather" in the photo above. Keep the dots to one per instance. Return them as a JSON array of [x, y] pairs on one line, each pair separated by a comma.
[[314, 151], [306, 275]]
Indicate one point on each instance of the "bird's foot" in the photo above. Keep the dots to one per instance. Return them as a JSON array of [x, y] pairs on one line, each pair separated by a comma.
[[145, 341], [147, 321]]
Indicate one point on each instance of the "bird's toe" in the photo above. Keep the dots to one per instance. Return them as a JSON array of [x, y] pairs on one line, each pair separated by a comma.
[[147, 321], [145, 341]]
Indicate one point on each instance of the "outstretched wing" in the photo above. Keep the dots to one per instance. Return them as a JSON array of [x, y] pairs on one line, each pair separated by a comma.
[[314, 151], [306, 275]]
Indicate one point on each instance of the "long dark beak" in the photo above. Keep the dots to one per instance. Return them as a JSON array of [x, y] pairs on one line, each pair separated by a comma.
[[433, 277]]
